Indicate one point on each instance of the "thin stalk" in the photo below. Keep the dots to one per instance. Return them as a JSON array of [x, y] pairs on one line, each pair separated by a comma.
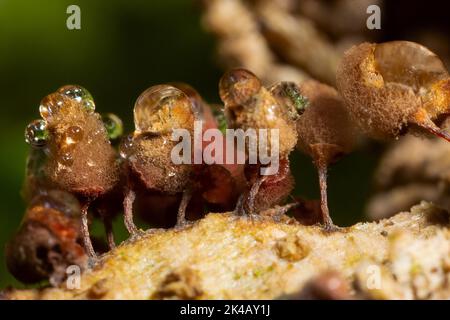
[[322, 171], [85, 230], [431, 127], [181, 217], [254, 192], [128, 201]]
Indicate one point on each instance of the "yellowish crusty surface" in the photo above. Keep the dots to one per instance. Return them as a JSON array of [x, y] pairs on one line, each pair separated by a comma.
[[227, 257]]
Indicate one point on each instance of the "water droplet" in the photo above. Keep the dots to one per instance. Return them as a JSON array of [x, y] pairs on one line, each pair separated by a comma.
[[195, 98], [80, 94], [66, 159], [73, 135], [113, 126], [162, 108], [51, 104], [237, 86], [36, 133], [126, 146], [289, 96], [62, 167]]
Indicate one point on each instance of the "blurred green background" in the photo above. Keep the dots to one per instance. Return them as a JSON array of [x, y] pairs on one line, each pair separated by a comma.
[[122, 48]]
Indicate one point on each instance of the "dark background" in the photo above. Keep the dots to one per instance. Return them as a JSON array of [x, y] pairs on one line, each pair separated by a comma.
[[125, 47]]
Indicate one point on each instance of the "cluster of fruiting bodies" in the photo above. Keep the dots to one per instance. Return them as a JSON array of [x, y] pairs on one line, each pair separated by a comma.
[[80, 167]]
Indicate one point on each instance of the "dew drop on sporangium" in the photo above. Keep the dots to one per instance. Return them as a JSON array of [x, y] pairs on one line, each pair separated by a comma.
[[36, 133], [237, 86], [51, 104], [73, 135], [66, 159], [290, 98], [198, 105], [80, 94], [162, 108], [126, 146], [171, 174]]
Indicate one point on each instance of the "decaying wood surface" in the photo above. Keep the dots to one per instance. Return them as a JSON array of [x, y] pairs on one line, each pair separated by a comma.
[[227, 257]]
